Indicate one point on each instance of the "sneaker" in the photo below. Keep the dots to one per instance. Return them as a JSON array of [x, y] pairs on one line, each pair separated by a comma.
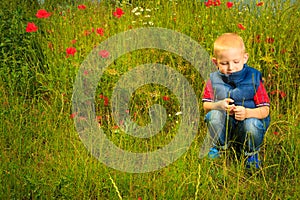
[[213, 153], [253, 162]]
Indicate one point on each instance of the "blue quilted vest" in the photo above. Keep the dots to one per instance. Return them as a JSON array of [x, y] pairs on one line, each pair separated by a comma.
[[240, 86]]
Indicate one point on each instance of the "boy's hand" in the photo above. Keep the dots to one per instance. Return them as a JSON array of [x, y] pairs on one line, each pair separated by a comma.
[[227, 105], [240, 113]]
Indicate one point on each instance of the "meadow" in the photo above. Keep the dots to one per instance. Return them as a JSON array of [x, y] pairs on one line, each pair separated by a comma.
[[42, 48]]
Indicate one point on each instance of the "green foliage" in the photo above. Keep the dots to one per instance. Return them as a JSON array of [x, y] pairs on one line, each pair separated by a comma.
[[20, 52], [41, 154]]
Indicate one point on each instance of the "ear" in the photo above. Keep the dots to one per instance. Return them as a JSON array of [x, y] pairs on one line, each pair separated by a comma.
[[214, 60], [246, 56]]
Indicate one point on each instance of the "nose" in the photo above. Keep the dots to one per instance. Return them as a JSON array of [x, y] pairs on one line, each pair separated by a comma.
[[230, 66]]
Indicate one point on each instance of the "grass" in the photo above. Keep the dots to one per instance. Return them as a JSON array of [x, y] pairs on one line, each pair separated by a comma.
[[42, 156]]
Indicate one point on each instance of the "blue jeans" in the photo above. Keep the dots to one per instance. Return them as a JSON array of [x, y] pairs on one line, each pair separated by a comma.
[[248, 134]]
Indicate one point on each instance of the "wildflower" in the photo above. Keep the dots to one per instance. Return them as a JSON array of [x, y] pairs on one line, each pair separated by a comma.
[[281, 94], [86, 33], [240, 26], [31, 27], [104, 53], [166, 98], [106, 101], [283, 51], [115, 127], [137, 13], [50, 46], [73, 41], [179, 113], [208, 3], [260, 3], [217, 3], [118, 13], [229, 4], [85, 72], [81, 7], [98, 119], [257, 39], [71, 51], [270, 40], [42, 14], [275, 133], [73, 115], [134, 10], [100, 31]]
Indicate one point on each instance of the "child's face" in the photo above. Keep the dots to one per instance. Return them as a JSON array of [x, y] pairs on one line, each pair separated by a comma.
[[230, 60]]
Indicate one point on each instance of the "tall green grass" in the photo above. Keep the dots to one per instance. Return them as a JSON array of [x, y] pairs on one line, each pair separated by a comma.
[[42, 156]]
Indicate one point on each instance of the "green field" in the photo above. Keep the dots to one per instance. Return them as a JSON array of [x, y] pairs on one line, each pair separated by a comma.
[[41, 153]]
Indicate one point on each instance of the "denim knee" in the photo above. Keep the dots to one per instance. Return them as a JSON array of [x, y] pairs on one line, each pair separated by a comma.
[[216, 122], [255, 131]]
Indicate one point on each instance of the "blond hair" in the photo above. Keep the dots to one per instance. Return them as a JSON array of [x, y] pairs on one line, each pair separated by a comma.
[[228, 41]]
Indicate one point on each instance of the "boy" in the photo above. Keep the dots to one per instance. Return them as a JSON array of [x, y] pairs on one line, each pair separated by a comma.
[[235, 100]]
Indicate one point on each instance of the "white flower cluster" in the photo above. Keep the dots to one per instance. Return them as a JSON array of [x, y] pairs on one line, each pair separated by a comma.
[[142, 13]]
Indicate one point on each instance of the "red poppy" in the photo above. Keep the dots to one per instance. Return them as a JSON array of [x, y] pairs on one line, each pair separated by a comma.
[[115, 127], [81, 7], [229, 4], [275, 133], [104, 53], [240, 26], [208, 3], [166, 98], [283, 51], [98, 118], [50, 46], [118, 13], [101, 96], [86, 72], [100, 31], [73, 41], [42, 14], [86, 32], [281, 94], [217, 2], [71, 51], [260, 3], [31, 27], [257, 39], [270, 40], [73, 115], [106, 101]]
